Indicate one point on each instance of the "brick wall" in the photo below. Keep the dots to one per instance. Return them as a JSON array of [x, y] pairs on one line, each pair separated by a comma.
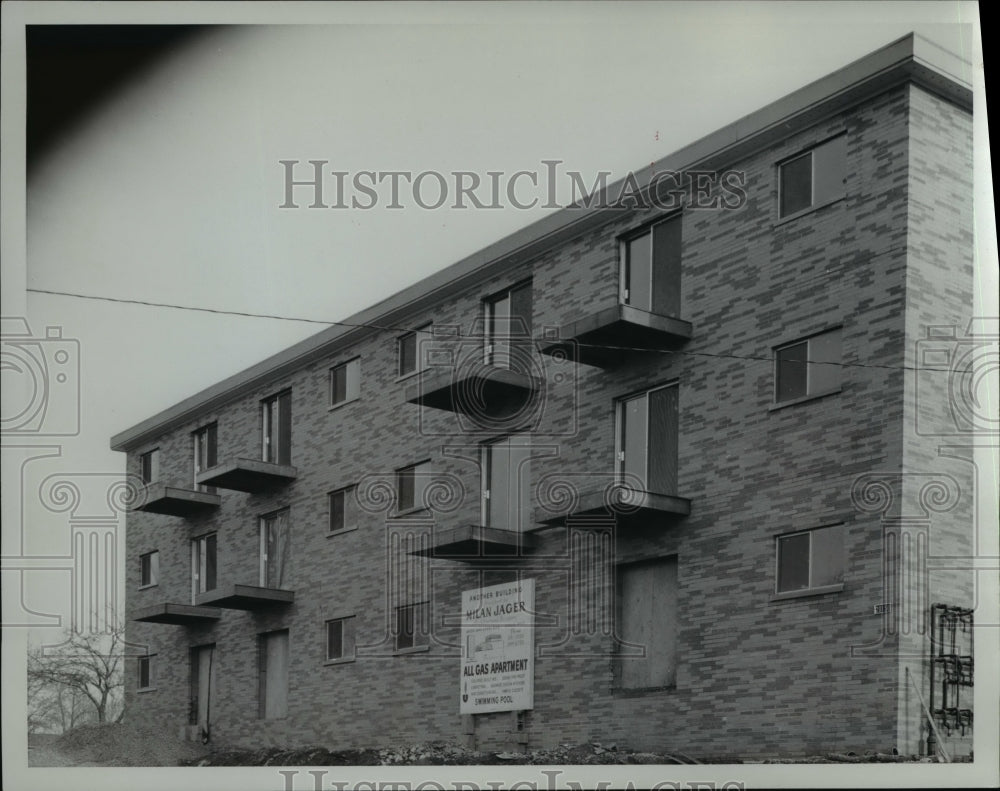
[[754, 676]]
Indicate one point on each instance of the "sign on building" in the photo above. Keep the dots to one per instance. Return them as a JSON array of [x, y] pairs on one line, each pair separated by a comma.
[[498, 647]]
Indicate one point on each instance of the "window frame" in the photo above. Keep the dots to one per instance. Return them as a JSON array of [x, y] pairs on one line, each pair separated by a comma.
[[419, 632], [347, 492], [153, 557], [418, 359], [205, 444], [145, 661], [348, 640], [490, 336], [814, 202], [265, 521], [200, 566], [353, 364], [520, 439], [811, 589], [625, 291], [272, 405], [620, 435], [149, 466], [810, 372], [621, 571], [418, 499]]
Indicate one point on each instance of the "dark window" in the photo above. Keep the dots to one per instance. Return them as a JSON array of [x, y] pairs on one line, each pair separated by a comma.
[[411, 626], [340, 639], [651, 268], [410, 485], [345, 382], [508, 328], [647, 440], [811, 559], [149, 569], [145, 667], [408, 350], [149, 465], [647, 618], [277, 429], [813, 178], [808, 367], [203, 563], [275, 549], [206, 452], [343, 512]]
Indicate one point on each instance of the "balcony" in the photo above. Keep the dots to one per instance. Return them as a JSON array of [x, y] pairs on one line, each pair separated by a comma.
[[247, 475], [245, 597], [175, 501], [608, 337], [472, 543], [480, 390], [178, 614], [625, 505]]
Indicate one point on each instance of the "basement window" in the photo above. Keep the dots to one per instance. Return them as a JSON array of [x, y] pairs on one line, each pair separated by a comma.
[[814, 178], [810, 561]]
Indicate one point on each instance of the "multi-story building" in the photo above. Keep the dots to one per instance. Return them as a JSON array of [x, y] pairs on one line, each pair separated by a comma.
[[688, 436]]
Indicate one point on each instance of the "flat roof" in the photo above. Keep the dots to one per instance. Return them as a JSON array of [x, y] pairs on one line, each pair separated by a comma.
[[910, 58]]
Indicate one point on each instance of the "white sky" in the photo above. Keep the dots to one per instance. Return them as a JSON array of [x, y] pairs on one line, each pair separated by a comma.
[[170, 191]]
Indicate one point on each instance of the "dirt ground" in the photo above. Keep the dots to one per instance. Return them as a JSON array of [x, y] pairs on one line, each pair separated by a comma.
[[134, 745]]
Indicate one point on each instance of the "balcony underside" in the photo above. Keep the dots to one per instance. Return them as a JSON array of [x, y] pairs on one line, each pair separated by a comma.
[[174, 501], [248, 475], [621, 504], [485, 390], [178, 614], [606, 338], [472, 543], [245, 597]]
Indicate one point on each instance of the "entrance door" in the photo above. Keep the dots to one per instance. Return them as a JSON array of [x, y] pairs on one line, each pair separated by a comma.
[[651, 269], [274, 675], [202, 684]]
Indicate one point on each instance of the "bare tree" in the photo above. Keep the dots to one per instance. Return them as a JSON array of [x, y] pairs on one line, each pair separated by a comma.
[[86, 667]]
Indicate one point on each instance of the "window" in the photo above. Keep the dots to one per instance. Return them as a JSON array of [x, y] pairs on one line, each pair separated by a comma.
[[345, 382], [202, 676], [811, 560], [206, 453], [410, 628], [340, 639], [149, 466], [508, 328], [343, 510], [408, 351], [274, 550], [145, 674], [809, 367], [507, 483], [272, 674], [647, 624], [651, 268], [814, 178], [276, 429], [410, 485], [647, 440], [203, 563], [149, 569]]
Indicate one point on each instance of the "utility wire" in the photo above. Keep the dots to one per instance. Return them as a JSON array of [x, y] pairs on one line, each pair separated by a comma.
[[427, 330]]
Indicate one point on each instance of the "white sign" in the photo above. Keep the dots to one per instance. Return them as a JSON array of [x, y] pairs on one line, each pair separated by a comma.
[[498, 648]]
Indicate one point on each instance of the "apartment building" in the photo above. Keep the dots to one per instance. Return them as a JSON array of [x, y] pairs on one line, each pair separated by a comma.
[[667, 475]]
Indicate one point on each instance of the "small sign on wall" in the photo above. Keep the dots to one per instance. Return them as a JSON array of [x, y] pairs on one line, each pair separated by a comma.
[[881, 609], [498, 648]]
